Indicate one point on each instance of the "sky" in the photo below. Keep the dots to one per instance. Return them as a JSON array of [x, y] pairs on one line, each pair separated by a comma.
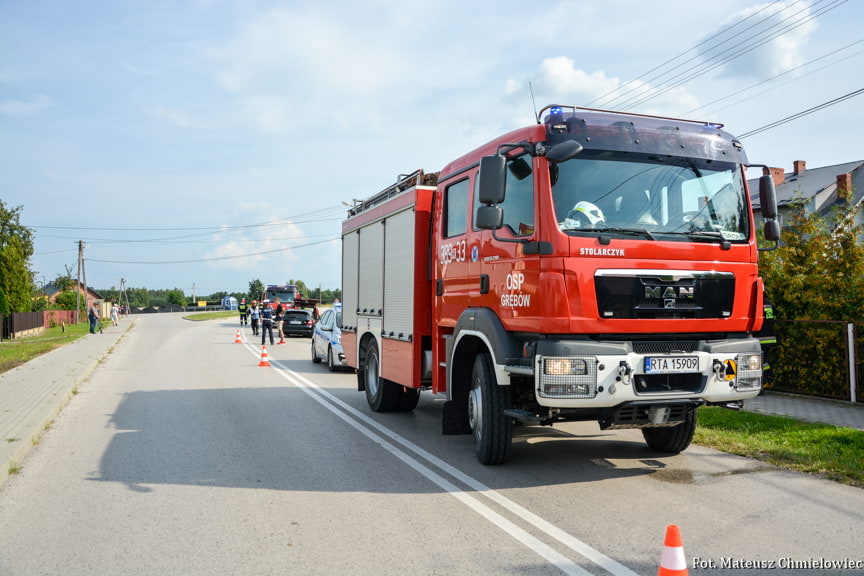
[[202, 144]]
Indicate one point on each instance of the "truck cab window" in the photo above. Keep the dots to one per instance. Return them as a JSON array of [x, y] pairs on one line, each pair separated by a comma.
[[672, 199], [518, 202], [456, 209]]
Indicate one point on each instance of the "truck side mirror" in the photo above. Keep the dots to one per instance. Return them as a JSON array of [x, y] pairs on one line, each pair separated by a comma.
[[490, 217], [492, 180], [767, 197], [772, 230]]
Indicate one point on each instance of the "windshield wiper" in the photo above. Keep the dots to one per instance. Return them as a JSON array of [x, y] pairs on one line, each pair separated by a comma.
[[706, 235], [627, 231]]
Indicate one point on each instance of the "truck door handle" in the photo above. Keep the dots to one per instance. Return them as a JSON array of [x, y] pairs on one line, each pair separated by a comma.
[[484, 284]]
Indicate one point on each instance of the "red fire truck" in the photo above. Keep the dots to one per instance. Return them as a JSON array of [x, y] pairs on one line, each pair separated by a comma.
[[289, 296], [594, 266]]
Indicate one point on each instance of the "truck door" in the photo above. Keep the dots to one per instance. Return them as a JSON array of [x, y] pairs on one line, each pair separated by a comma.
[[513, 275], [453, 285]]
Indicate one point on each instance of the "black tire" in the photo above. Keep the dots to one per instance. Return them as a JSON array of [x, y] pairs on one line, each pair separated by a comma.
[[492, 430], [315, 358], [382, 395], [672, 440], [330, 365]]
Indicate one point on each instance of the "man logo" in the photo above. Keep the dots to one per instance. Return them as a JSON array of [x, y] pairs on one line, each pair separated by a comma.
[[667, 293]]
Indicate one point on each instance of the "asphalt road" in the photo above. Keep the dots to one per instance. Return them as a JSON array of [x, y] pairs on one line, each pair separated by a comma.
[[182, 456]]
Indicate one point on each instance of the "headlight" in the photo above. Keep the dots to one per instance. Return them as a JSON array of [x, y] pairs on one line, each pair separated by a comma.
[[565, 366], [749, 375], [568, 377]]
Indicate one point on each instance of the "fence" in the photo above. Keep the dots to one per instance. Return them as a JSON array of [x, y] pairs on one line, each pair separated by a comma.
[[22, 323], [818, 358]]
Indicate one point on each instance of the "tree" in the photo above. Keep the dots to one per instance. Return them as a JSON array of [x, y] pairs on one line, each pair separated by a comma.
[[256, 287], [177, 297], [16, 248], [815, 282]]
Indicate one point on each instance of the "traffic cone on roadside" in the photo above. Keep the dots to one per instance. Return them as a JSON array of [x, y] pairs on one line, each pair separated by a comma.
[[672, 560], [264, 360], [237, 339]]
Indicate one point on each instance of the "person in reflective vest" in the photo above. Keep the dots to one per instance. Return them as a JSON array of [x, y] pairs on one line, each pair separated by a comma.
[[254, 315], [243, 311], [266, 322]]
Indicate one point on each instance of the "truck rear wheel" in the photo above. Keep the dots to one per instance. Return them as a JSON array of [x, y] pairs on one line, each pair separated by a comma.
[[673, 440], [492, 430], [382, 395]]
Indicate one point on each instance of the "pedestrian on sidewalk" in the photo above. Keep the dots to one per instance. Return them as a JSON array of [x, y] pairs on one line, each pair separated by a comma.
[[93, 316], [266, 322], [115, 315]]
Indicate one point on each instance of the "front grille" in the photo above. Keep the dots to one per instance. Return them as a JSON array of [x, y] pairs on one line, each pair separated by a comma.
[[665, 347], [666, 294]]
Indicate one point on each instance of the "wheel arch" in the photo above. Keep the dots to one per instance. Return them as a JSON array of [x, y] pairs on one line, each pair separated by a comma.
[[362, 347], [478, 330]]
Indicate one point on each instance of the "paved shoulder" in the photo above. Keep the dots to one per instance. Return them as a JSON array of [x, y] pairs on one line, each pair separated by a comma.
[[808, 409], [32, 394]]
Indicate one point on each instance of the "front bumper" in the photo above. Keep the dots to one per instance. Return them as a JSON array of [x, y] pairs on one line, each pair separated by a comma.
[[594, 374]]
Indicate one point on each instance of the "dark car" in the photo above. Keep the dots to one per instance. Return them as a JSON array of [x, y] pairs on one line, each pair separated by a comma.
[[297, 323]]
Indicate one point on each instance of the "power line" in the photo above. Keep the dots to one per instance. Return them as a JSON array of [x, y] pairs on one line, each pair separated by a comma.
[[696, 71], [215, 259], [802, 114], [767, 80], [708, 39], [279, 222]]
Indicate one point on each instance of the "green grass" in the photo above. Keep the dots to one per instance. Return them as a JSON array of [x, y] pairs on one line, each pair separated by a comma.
[[831, 451], [199, 316], [18, 351]]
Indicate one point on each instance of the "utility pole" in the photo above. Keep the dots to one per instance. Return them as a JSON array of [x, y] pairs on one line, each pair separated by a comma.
[[78, 281], [124, 296]]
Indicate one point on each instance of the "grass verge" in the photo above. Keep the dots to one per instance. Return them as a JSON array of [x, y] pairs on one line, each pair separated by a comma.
[[16, 352], [831, 451], [198, 316]]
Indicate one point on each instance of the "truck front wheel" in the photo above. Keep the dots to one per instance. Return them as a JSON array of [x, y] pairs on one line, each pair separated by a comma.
[[492, 430], [382, 395], [673, 440]]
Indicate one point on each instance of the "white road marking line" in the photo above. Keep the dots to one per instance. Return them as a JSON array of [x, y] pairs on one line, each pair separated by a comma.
[[329, 401]]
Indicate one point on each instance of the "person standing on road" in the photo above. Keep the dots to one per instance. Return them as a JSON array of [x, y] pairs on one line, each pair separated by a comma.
[[115, 315], [243, 309], [93, 316], [254, 314], [280, 318], [266, 322]]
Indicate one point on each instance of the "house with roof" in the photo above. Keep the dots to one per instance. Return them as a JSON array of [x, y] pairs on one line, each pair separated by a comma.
[[815, 190], [51, 291]]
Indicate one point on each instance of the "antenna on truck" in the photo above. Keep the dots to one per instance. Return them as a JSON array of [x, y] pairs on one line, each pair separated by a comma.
[[533, 102]]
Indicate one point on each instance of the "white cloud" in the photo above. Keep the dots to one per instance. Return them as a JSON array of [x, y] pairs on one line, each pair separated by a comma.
[[271, 247], [26, 106], [559, 80], [748, 36]]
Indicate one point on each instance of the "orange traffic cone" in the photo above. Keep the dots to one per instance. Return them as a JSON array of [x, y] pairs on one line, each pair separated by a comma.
[[672, 560], [237, 339], [264, 360]]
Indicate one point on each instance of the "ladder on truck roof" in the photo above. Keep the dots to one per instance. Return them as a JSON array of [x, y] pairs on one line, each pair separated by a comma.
[[403, 182]]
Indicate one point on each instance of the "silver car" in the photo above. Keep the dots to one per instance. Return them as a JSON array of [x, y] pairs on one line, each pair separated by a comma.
[[327, 340]]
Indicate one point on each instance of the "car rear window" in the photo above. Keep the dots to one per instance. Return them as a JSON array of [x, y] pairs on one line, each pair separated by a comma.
[[297, 315]]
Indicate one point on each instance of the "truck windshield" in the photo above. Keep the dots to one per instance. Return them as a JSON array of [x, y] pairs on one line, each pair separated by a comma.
[[665, 198]]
